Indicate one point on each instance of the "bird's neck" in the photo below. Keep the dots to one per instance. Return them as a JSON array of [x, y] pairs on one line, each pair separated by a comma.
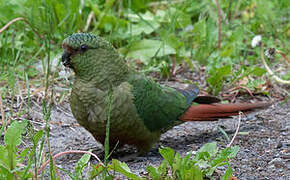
[[104, 70]]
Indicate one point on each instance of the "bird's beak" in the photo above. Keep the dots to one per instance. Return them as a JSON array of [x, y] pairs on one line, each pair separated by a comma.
[[66, 59]]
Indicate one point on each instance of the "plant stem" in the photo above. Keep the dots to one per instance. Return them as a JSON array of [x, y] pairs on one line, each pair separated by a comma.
[[269, 70], [220, 24], [109, 107]]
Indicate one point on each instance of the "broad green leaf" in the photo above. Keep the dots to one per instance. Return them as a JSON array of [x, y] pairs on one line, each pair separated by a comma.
[[81, 164], [199, 31], [228, 174], [163, 168], [171, 39], [216, 77], [203, 164], [224, 155], [148, 16], [177, 17], [187, 161], [13, 134], [3, 158], [37, 136], [177, 167], [97, 170], [23, 154], [210, 170], [194, 173], [234, 151], [143, 27], [136, 5], [168, 154], [257, 71], [153, 173], [123, 169], [227, 51], [211, 148], [146, 49]]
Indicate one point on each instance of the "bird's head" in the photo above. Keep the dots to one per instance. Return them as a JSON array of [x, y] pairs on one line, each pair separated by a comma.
[[92, 57], [78, 46]]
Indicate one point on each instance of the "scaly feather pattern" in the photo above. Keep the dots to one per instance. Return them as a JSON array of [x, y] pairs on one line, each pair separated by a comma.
[[141, 109]]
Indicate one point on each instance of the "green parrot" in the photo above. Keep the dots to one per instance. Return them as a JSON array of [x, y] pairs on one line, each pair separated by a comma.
[[141, 109]]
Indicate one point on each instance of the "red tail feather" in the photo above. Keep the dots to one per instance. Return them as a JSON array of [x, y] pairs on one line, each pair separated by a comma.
[[211, 112]]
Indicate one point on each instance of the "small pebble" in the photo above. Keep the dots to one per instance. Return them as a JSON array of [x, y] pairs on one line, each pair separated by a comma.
[[279, 145]]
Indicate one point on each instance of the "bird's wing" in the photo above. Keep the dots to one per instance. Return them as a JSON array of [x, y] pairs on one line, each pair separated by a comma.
[[159, 106]]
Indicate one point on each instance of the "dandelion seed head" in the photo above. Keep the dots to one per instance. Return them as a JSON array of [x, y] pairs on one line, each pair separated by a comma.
[[256, 41]]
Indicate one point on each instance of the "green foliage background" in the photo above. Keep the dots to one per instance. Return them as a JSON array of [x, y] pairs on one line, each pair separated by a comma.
[[148, 30]]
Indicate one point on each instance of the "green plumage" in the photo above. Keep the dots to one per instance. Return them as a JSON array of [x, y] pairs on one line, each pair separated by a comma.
[[159, 107], [141, 108]]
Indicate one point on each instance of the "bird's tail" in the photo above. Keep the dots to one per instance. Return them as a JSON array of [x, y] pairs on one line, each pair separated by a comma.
[[211, 112]]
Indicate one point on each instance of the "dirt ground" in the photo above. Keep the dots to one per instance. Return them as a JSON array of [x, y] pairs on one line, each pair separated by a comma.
[[264, 149], [264, 146]]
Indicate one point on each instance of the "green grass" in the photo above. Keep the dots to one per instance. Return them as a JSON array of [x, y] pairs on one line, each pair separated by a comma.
[[145, 30], [187, 30]]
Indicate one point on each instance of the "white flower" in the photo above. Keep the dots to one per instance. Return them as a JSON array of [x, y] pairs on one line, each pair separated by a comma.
[[256, 41]]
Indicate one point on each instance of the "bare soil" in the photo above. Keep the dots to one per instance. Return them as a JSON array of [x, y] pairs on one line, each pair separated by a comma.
[[264, 147]]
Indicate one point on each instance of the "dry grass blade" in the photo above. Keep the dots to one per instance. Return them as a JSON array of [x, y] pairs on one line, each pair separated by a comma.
[[15, 20], [68, 152], [237, 130], [269, 70], [219, 24]]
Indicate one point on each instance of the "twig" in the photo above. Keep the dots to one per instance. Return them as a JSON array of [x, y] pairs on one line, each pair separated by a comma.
[[68, 152], [269, 70], [240, 87], [283, 55], [243, 87], [172, 70], [220, 24], [56, 169], [23, 166], [89, 20], [19, 19], [237, 130], [229, 10], [11, 22]]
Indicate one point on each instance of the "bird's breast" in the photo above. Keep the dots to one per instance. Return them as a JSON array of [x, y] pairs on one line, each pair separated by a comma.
[[90, 108]]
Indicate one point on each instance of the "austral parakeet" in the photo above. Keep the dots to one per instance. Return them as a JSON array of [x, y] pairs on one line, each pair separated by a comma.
[[141, 109]]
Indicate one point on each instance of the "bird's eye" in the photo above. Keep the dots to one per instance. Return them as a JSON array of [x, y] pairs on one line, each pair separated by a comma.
[[84, 47]]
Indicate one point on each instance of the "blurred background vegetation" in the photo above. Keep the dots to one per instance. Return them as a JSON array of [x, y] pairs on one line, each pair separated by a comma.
[[149, 32]]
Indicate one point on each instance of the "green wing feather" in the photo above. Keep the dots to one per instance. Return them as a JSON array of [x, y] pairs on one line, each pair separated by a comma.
[[158, 106]]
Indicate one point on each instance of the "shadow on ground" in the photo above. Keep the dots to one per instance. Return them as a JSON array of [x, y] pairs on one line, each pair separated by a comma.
[[264, 150]]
